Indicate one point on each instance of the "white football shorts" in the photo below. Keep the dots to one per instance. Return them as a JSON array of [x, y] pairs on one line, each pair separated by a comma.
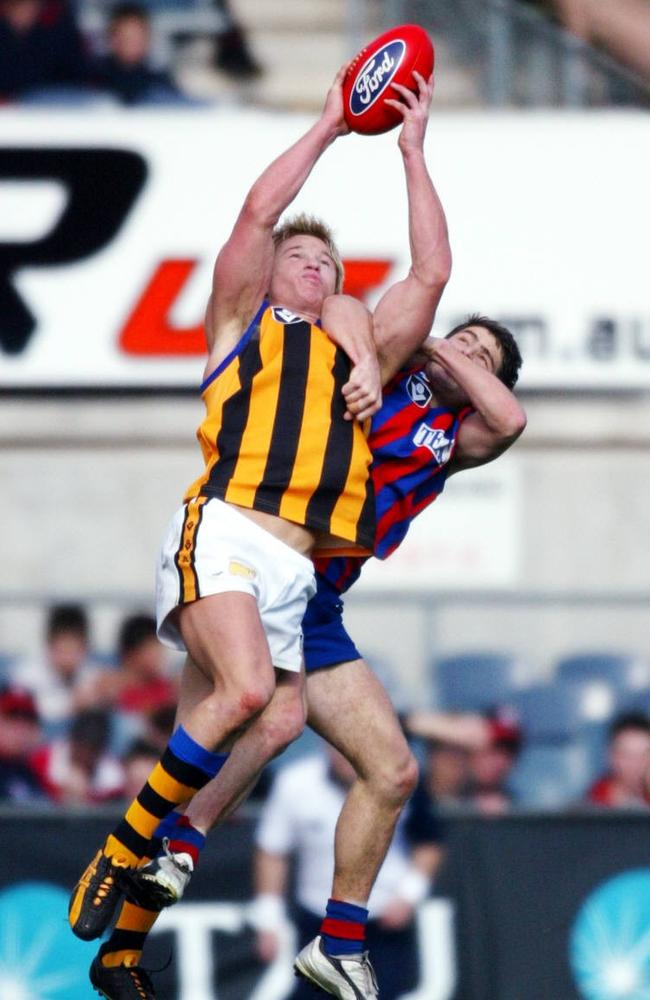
[[212, 548]]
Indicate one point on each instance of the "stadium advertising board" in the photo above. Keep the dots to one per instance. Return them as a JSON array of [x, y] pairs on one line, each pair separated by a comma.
[[109, 225], [528, 907]]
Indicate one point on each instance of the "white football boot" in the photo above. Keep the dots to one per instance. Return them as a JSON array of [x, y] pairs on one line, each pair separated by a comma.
[[350, 977], [161, 882]]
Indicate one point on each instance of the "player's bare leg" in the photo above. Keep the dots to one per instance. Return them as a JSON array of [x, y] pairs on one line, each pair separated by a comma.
[[163, 881], [348, 706], [225, 638]]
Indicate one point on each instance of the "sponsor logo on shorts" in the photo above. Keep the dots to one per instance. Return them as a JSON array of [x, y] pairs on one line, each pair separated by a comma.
[[375, 76], [435, 440], [286, 316], [419, 390], [236, 568]]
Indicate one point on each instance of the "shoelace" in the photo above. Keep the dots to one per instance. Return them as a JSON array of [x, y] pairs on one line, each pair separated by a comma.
[[174, 857], [367, 966]]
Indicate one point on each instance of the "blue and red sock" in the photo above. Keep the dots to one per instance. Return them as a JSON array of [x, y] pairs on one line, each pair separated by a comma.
[[182, 836], [343, 931]]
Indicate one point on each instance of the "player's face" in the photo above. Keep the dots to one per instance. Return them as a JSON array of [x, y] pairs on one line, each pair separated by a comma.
[[477, 344], [480, 346], [304, 274]]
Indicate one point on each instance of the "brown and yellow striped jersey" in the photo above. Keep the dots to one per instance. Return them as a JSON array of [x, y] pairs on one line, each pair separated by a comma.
[[274, 438]]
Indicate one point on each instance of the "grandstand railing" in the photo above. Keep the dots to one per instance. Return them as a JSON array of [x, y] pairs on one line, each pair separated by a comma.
[[520, 55]]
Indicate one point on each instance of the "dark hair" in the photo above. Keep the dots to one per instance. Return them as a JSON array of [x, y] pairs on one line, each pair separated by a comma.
[[134, 632], [140, 748], [508, 372], [92, 727], [67, 618], [629, 720], [122, 11]]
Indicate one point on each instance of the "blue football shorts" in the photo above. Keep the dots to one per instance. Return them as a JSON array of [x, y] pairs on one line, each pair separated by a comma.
[[325, 640]]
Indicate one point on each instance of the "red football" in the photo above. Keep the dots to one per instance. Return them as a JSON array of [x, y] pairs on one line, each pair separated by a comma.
[[391, 58]]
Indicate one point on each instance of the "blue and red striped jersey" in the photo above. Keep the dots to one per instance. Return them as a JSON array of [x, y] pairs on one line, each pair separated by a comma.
[[412, 443]]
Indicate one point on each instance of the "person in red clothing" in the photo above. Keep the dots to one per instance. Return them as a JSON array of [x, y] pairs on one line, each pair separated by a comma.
[[138, 687], [625, 785], [78, 769], [20, 734]]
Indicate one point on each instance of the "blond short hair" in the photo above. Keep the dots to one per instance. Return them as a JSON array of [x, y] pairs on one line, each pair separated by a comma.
[[309, 225]]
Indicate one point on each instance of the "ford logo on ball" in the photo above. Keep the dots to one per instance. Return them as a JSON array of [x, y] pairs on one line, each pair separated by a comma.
[[375, 75]]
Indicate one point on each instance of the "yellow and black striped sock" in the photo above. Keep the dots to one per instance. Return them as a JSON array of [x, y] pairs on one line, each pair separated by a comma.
[[124, 946], [183, 769]]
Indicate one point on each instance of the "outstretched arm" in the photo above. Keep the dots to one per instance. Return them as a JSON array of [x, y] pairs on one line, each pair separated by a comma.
[[499, 417], [243, 267], [404, 315]]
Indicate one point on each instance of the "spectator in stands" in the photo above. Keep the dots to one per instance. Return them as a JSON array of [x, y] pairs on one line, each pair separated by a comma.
[[42, 53], [445, 772], [126, 72], [489, 767], [139, 685], [138, 762], [55, 677], [625, 785], [159, 727], [78, 769], [299, 818], [233, 55], [469, 757], [20, 734]]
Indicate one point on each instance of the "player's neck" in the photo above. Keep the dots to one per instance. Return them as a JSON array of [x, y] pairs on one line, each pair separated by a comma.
[[309, 315], [449, 400]]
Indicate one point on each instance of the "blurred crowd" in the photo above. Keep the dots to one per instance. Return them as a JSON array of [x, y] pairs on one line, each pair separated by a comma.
[[46, 58], [77, 728], [50, 55]]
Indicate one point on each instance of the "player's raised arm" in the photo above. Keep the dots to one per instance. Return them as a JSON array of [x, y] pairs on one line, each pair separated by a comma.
[[404, 315], [468, 362], [243, 266]]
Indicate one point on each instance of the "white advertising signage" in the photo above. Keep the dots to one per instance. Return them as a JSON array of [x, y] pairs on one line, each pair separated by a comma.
[[473, 541], [110, 222]]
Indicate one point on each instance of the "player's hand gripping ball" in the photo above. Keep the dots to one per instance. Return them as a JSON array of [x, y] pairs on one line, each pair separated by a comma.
[[391, 58]]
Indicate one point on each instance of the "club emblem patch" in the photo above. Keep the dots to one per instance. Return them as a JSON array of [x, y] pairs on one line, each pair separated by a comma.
[[419, 390]]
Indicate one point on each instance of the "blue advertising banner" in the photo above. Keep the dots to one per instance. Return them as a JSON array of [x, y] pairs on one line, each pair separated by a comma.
[[544, 907]]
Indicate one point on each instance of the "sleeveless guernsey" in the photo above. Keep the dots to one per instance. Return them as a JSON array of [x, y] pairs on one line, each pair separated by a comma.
[[274, 438]]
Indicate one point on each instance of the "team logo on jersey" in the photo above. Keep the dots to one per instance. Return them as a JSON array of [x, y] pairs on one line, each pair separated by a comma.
[[419, 390], [285, 316], [435, 440]]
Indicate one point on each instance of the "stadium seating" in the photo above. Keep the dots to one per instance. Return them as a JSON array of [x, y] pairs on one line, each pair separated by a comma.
[[475, 681], [558, 712], [551, 776], [621, 670]]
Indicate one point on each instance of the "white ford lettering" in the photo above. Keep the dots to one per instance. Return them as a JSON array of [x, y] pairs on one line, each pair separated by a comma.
[[375, 76]]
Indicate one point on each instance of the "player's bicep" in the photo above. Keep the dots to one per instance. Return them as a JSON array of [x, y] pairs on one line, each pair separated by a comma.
[[402, 321], [241, 274]]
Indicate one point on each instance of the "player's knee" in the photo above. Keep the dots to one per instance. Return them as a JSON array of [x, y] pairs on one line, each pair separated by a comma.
[[398, 778], [408, 777], [246, 699], [286, 727]]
